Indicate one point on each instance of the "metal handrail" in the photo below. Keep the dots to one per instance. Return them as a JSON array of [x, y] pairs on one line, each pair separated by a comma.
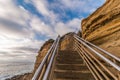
[[80, 47], [111, 55], [104, 58], [51, 61], [38, 71]]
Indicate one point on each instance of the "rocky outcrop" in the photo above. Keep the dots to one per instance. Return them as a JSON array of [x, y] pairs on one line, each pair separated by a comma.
[[103, 27], [26, 76], [42, 52], [66, 42]]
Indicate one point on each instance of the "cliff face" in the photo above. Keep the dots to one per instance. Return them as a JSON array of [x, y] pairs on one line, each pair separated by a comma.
[[42, 52], [103, 27], [66, 42]]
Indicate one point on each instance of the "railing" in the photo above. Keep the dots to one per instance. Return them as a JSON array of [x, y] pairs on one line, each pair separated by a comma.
[[43, 71], [102, 64]]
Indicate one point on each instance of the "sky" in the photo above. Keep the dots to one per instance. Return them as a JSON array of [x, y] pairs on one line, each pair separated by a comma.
[[26, 24]]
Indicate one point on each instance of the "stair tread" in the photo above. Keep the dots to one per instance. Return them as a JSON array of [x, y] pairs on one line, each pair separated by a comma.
[[72, 64], [69, 55], [67, 62], [75, 59], [73, 75], [69, 66], [72, 71]]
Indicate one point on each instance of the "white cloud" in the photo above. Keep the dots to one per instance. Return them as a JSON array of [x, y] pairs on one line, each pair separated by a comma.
[[41, 6], [14, 49], [71, 26], [15, 32], [58, 26], [13, 20], [10, 11], [75, 23], [18, 27], [41, 27]]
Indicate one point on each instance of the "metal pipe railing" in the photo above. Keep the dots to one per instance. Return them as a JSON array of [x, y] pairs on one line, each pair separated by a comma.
[[99, 63], [101, 56], [45, 77], [111, 55], [39, 70], [90, 58], [88, 63]]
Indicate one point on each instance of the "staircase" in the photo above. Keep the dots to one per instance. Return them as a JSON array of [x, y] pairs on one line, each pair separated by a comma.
[[87, 62], [70, 66]]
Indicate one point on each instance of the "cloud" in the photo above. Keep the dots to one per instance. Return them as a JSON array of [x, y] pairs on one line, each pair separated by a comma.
[[41, 6], [16, 35], [23, 49], [20, 28], [10, 11], [12, 29], [71, 26], [13, 20], [41, 27]]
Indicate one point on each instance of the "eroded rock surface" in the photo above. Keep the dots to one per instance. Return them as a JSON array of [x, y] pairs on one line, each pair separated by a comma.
[[66, 42], [103, 27], [42, 52]]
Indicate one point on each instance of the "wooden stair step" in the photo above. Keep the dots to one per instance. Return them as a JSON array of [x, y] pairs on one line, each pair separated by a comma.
[[69, 62], [73, 75], [71, 67]]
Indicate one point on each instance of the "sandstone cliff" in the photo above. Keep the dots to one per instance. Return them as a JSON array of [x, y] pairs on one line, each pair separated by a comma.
[[103, 27], [42, 52], [64, 42]]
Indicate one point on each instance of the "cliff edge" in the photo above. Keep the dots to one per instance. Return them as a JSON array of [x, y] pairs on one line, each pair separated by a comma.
[[42, 52], [64, 42], [103, 27]]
